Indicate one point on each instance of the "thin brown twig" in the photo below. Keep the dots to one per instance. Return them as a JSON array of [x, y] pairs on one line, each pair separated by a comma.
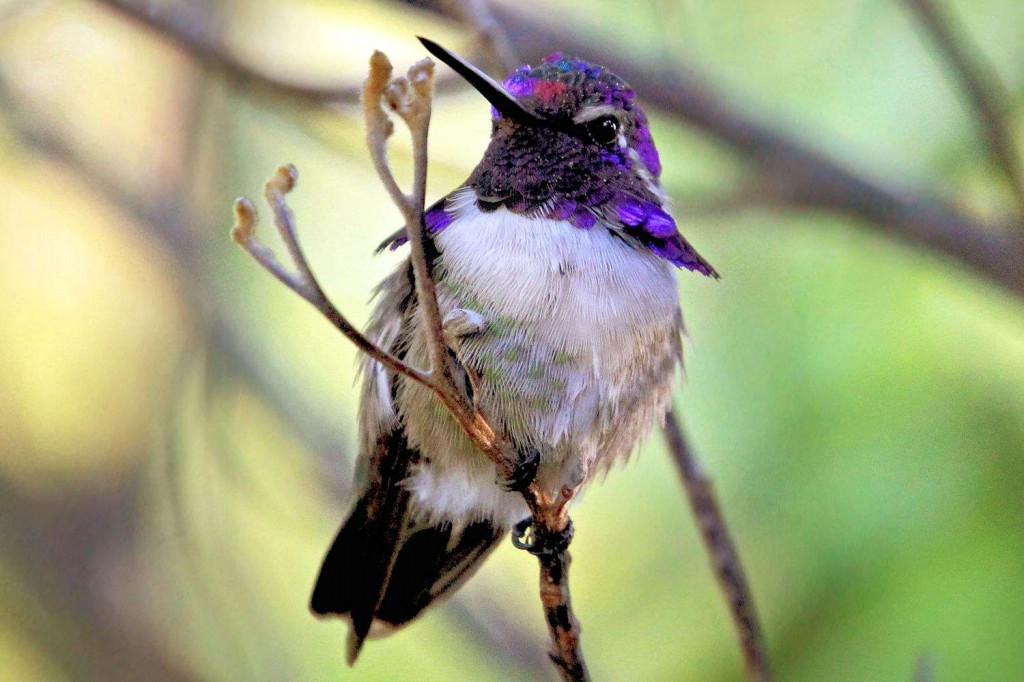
[[980, 85], [410, 98], [562, 621], [304, 283], [721, 549], [379, 128]]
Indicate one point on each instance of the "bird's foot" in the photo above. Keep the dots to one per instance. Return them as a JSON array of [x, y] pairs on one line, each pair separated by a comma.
[[538, 540], [461, 322], [523, 473]]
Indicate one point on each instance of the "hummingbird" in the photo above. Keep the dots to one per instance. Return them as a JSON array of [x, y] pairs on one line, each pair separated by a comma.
[[554, 265]]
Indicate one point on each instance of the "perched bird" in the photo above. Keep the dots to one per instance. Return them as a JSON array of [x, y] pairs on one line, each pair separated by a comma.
[[555, 271]]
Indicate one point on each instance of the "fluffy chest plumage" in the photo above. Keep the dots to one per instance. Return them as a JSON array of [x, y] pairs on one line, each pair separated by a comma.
[[573, 318], [577, 359], [575, 287]]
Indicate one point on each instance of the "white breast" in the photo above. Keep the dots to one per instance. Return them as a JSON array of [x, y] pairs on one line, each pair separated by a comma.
[[589, 284], [577, 361]]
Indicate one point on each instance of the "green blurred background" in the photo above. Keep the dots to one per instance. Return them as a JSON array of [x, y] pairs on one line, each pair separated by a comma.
[[176, 428]]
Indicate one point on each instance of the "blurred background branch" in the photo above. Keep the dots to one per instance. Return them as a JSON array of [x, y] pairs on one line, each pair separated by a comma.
[[197, 30], [721, 549], [982, 89]]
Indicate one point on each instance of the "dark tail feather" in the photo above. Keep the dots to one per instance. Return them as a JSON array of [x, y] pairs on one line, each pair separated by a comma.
[[341, 568], [355, 571], [432, 563], [366, 580], [381, 568], [354, 575]]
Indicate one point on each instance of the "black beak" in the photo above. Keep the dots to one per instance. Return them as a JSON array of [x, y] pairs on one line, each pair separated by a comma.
[[492, 91]]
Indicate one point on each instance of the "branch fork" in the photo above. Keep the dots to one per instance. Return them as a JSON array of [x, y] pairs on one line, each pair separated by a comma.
[[409, 97]]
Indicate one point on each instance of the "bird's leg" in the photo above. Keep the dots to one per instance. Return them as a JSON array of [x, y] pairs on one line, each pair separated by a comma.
[[457, 324], [523, 473], [461, 322]]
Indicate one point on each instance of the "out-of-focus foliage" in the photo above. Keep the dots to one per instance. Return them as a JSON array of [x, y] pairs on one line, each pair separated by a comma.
[[176, 428]]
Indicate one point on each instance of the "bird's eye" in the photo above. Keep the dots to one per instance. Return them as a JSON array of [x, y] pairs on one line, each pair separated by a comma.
[[603, 130]]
